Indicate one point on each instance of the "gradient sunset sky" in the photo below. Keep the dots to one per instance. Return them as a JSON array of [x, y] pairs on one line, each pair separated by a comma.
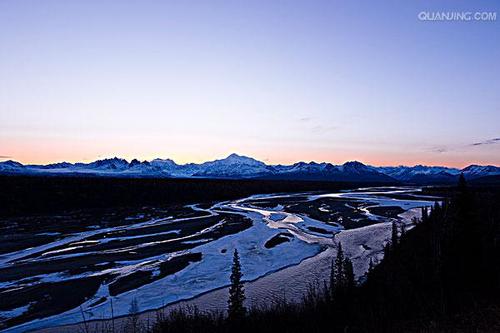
[[280, 81]]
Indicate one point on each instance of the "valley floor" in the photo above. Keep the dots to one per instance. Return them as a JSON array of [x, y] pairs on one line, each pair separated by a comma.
[[289, 284], [165, 259]]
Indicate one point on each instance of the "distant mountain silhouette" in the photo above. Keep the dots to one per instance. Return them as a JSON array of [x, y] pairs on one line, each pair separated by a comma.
[[236, 167]]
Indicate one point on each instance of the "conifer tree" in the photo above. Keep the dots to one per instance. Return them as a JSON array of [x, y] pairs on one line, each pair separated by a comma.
[[333, 274], [425, 214], [339, 268], [349, 275], [394, 235], [132, 324], [403, 231], [387, 250], [236, 309]]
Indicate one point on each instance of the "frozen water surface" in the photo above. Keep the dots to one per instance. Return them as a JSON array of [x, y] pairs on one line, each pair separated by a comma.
[[267, 269]]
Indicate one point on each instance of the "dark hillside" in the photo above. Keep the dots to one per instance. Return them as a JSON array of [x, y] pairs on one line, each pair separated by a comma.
[[441, 276], [487, 180], [21, 195]]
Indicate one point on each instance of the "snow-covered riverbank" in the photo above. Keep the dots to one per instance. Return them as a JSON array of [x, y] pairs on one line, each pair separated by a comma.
[[284, 271], [290, 283]]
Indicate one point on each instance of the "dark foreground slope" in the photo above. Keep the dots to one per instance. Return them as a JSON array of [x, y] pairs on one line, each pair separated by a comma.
[[442, 276], [21, 195]]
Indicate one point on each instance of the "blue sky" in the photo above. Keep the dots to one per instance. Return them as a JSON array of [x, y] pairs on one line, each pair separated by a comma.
[[281, 81]]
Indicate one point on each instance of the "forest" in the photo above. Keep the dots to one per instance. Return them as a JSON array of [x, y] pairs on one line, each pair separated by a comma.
[[441, 276], [22, 195]]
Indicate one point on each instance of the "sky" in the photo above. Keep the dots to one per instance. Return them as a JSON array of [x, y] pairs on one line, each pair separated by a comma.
[[281, 81]]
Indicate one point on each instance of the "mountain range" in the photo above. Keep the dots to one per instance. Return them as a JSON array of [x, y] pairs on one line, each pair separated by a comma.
[[236, 166]]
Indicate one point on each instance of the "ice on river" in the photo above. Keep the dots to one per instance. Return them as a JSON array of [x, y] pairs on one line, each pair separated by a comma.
[[213, 271]]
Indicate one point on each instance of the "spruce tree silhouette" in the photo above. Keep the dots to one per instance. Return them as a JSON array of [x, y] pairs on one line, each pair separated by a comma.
[[236, 309], [333, 274], [339, 270], [394, 235], [349, 275]]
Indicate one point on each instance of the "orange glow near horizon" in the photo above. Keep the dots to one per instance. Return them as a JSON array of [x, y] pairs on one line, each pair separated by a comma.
[[45, 151], [177, 84]]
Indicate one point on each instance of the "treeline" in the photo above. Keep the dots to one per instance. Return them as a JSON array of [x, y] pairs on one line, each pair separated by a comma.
[[446, 270], [22, 195], [442, 276]]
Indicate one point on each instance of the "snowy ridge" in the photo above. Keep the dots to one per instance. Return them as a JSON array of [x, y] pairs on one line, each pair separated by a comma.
[[237, 166]]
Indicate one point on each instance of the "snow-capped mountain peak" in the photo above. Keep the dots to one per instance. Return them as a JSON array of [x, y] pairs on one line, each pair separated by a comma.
[[356, 167], [232, 166], [114, 163], [239, 159], [12, 163], [239, 166], [480, 170], [10, 166]]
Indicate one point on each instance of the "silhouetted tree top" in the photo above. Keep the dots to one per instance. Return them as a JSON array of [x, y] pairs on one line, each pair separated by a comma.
[[394, 235], [236, 309]]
